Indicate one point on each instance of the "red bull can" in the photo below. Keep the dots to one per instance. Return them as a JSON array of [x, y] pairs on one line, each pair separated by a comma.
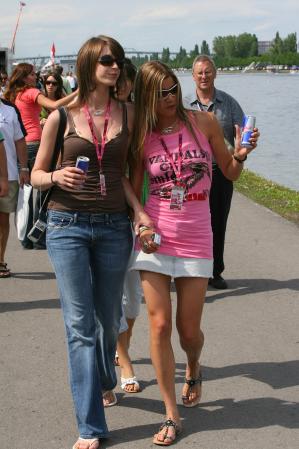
[[248, 125], [82, 162]]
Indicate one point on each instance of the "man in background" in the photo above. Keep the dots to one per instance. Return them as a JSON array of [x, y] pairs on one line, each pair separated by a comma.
[[229, 113]]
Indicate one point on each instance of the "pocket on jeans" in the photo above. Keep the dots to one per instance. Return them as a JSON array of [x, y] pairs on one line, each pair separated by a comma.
[[59, 221], [121, 224]]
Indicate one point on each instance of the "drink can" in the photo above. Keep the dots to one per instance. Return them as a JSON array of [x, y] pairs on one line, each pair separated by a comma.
[[248, 125], [82, 162]]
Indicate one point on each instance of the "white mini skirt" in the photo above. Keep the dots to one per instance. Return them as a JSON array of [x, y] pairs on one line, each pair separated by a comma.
[[173, 266]]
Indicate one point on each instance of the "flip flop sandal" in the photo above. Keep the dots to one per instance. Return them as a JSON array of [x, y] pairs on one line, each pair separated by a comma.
[[130, 381], [113, 402], [90, 442], [165, 426], [191, 383], [4, 270]]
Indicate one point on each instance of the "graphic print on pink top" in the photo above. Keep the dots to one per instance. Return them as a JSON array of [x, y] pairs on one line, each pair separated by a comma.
[[185, 232]]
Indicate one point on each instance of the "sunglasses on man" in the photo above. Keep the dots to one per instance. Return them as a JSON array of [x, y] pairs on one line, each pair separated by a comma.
[[108, 61], [163, 93]]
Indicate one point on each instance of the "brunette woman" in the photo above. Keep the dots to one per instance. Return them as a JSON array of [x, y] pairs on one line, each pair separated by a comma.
[[176, 147], [22, 91], [89, 234], [53, 89]]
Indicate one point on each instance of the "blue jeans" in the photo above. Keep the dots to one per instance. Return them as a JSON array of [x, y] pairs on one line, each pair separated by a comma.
[[90, 253]]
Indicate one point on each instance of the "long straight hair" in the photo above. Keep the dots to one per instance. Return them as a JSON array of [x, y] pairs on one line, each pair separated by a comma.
[[87, 60], [148, 84], [16, 83]]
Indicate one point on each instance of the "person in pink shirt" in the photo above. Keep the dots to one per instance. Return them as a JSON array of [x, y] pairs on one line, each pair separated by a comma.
[[175, 146], [22, 91]]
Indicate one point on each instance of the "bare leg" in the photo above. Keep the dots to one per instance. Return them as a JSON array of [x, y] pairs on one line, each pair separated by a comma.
[[4, 233], [190, 297], [127, 370], [156, 289]]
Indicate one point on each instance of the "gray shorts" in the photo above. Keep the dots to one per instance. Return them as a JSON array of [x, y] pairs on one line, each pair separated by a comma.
[[8, 203], [172, 266]]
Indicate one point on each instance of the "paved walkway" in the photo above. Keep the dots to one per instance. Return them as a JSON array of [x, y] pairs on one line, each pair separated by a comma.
[[251, 368]]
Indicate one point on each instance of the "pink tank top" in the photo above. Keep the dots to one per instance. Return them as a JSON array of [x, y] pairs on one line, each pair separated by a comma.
[[186, 232]]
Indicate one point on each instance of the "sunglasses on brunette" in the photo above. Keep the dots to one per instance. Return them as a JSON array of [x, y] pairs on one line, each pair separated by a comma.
[[108, 61], [54, 83], [163, 93]]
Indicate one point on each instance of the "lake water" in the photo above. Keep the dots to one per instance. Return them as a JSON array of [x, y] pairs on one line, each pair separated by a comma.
[[274, 100]]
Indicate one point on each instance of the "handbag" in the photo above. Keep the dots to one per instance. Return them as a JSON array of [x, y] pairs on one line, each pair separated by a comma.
[[22, 210], [40, 225]]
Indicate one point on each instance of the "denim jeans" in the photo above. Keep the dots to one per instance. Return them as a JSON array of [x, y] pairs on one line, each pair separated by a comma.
[[90, 253]]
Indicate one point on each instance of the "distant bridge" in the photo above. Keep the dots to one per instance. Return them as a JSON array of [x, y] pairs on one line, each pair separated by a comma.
[[40, 61]]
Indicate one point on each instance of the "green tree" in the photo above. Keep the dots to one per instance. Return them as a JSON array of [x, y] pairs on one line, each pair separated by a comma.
[[277, 45], [290, 43], [165, 55], [219, 47], [204, 49]]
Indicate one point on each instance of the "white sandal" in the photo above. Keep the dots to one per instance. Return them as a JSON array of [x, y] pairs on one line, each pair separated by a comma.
[[130, 381], [90, 442]]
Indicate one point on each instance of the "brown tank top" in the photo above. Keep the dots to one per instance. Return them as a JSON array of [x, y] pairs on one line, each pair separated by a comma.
[[88, 198]]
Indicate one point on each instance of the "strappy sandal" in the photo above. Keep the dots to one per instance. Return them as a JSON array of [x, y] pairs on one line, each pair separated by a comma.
[[167, 440], [4, 270], [113, 395], [191, 383], [91, 443], [130, 381]]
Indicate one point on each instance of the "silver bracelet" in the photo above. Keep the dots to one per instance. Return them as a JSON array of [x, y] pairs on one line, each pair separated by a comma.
[[24, 169]]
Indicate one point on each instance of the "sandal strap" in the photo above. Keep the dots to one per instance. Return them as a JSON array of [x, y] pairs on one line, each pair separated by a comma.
[[170, 423], [192, 382], [129, 381]]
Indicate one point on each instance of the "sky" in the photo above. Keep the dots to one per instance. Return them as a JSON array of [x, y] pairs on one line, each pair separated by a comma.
[[140, 25]]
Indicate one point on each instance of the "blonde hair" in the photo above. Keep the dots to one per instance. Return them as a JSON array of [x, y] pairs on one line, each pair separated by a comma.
[[148, 84], [87, 60]]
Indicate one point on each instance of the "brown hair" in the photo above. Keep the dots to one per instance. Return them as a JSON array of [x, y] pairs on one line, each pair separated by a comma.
[[148, 83], [59, 91], [88, 57], [17, 82]]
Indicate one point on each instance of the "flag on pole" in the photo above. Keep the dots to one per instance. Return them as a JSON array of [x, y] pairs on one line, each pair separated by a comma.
[[53, 53]]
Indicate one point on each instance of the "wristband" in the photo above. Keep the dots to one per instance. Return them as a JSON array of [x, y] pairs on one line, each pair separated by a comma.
[[52, 180], [24, 169], [239, 160]]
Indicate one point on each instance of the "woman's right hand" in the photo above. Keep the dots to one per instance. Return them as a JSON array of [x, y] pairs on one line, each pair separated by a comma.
[[69, 178]]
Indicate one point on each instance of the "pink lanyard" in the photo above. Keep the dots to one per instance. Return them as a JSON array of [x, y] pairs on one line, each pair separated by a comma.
[[99, 149], [177, 169]]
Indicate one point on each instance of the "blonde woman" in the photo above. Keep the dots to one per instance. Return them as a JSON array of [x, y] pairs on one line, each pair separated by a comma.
[[88, 234], [175, 146]]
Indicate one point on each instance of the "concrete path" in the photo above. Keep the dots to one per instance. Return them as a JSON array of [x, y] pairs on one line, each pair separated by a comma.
[[250, 360]]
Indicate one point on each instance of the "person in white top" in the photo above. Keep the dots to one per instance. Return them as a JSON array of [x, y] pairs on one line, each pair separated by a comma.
[[16, 151]]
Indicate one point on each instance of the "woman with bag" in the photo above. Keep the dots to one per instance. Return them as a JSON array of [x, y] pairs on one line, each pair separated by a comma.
[[88, 233], [175, 146], [22, 91]]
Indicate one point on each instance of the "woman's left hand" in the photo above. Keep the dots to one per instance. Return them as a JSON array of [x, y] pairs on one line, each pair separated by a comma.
[[241, 152]]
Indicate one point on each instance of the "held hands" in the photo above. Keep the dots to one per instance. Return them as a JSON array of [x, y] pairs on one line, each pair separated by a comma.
[[241, 152], [147, 244], [69, 178]]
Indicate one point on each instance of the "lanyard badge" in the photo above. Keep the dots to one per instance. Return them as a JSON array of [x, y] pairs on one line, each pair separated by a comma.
[[179, 188], [100, 149]]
